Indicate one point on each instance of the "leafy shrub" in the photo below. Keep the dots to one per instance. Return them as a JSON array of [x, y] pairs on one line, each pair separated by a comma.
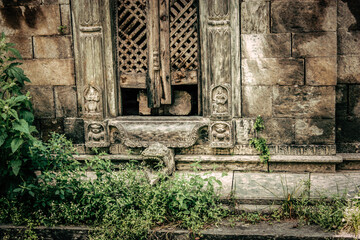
[[16, 119], [118, 201]]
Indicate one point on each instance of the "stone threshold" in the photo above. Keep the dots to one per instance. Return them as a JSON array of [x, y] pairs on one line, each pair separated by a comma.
[[277, 230], [277, 163]]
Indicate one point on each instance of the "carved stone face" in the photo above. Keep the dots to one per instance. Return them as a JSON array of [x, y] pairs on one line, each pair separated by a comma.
[[220, 96], [220, 128], [96, 128]]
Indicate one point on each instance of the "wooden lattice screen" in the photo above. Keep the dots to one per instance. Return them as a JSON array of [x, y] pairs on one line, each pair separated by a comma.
[[157, 48], [183, 35], [132, 37]]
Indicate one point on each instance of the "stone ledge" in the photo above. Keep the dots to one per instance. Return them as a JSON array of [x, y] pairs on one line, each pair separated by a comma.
[[230, 158], [350, 156], [351, 161], [283, 230]]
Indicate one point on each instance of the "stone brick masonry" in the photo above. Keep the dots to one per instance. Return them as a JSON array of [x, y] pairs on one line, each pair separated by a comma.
[[300, 66], [33, 25]]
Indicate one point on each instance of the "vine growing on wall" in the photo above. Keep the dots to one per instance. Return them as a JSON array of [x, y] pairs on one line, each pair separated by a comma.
[[259, 143]]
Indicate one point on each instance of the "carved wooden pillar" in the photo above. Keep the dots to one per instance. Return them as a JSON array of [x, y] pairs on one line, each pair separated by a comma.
[[94, 58], [95, 65], [220, 60]]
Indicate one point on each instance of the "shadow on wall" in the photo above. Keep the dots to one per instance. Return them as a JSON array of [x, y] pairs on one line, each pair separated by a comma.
[[13, 16], [354, 7]]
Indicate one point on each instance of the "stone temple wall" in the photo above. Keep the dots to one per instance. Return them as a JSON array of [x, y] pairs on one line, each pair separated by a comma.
[[300, 70], [347, 89], [33, 25]]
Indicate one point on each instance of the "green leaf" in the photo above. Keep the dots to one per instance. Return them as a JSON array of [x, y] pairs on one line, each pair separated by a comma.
[[15, 144], [22, 127], [31, 193], [15, 52], [4, 116], [10, 45], [28, 116], [20, 98], [15, 165], [17, 190], [2, 138], [13, 113]]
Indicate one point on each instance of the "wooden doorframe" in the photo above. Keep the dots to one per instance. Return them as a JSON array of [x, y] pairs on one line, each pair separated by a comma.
[[95, 62]]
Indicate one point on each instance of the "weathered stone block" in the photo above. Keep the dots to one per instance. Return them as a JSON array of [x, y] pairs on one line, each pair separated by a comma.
[[302, 167], [74, 130], [48, 125], [220, 163], [65, 18], [330, 185], [226, 179], [347, 147], [42, 98], [273, 71], [269, 185], [348, 42], [351, 161], [279, 131], [49, 2], [265, 45], [257, 101], [354, 100], [23, 44], [50, 71], [52, 47], [341, 100], [255, 17], [304, 101], [349, 15], [321, 71], [347, 130], [314, 44], [315, 131], [6, 3], [30, 20], [348, 69], [303, 16], [65, 101]]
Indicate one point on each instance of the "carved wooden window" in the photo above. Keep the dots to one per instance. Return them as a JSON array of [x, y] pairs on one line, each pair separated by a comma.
[[158, 57]]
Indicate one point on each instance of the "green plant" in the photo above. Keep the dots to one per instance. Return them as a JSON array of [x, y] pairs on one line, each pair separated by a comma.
[[351, 218], [259, 143], [117, 201], [16, 120], [62, 29]]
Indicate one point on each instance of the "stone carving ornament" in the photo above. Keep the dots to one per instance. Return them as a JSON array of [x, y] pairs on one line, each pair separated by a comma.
[[221, 135], [96, 134], [92, 99], [173, 134], [220, 99], [157, 154]]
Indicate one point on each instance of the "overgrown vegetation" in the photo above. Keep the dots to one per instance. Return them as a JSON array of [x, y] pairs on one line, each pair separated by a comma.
[[16, 120], [118, 201], [259, 143]]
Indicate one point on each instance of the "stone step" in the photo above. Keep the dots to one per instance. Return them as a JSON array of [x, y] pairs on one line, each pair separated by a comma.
[[287, 230], [351, 161], [277, 163]]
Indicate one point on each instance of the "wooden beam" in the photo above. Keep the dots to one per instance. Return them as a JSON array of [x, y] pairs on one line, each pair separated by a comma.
[[153, 81], [165, 51]]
